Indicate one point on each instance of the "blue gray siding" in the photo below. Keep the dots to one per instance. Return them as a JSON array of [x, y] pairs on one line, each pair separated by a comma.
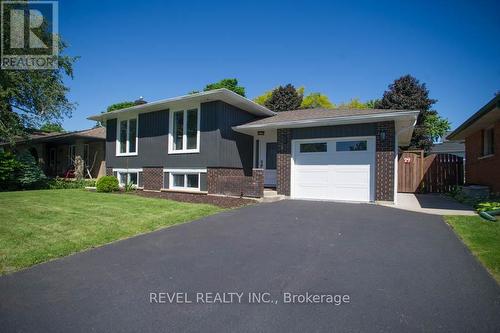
[[220, 146], [368, 129]]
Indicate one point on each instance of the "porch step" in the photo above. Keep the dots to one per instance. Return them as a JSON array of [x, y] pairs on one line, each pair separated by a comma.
[[271, 196]]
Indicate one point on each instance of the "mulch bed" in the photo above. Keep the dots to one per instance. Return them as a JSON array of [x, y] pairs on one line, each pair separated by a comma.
[[220, 201]]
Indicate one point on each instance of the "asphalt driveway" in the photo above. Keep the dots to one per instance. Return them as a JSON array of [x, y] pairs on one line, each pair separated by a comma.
[[402, 271]]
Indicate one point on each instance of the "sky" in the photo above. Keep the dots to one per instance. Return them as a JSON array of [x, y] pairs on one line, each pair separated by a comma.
[[344, 49]]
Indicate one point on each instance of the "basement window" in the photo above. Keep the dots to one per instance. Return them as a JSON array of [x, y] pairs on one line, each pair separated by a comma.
[[185, 181]]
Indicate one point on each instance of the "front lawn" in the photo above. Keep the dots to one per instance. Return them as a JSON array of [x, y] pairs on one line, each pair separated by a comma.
[[482, 238], [36, 226]]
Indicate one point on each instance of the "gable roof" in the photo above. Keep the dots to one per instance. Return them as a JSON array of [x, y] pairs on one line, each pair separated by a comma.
[[98, 133], [404, 120], [223, 94], [487, 115]]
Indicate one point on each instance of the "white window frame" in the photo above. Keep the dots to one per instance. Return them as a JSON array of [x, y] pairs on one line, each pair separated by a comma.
[[127, 145], [185, 172], [128, 172], [184, 149]]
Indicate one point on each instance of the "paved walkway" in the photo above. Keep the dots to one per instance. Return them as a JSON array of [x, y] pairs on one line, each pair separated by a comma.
[[435, 204], [403, 272]]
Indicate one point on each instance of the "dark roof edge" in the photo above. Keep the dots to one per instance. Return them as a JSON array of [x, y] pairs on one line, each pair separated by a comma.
[[55, 136], [482, 111]]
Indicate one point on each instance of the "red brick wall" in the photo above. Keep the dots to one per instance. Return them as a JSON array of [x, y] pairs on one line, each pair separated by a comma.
[[152, 178], [233, 181], [482, 171], [109, 171], [283, 161], [384, 162]]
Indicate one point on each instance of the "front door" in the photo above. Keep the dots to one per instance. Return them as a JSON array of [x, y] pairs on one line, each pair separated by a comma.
[[270, 167]]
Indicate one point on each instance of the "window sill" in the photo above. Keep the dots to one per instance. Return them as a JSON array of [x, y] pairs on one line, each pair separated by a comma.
[[486, 157], [194, 151], [129, 154], [179, 190]]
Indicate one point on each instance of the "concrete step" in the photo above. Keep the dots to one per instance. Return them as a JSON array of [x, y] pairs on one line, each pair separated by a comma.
[[271, 196]]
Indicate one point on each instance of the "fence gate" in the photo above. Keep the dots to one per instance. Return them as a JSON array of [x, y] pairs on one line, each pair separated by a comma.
[[435, 173]]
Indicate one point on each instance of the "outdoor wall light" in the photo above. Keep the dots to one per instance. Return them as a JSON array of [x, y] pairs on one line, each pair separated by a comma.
[[382, 135]]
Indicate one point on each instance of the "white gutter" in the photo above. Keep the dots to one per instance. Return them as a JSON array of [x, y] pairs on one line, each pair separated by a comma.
[[205, 96], [331, 120]]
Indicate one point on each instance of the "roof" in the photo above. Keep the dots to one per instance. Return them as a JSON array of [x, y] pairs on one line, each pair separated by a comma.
[[287, 117], [487, 115], [98, 133], [404, 120], [448, 147], [201, 97]]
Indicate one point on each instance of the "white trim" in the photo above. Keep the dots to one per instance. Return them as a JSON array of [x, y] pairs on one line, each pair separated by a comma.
[[346, 138], [184, 149], [191, 170], [185, 187], [127, 170], [331, 120], [127, 145]]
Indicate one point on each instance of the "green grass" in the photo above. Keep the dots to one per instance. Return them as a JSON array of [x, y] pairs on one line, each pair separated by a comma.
[[482, 238], [36, 226]]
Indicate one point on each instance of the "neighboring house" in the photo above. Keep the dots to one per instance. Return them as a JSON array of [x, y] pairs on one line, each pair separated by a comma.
[[447, 146], [218, 142], [481, 133], [56, 152]]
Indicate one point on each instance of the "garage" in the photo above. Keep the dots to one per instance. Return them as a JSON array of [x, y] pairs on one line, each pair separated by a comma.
[[334, 169]]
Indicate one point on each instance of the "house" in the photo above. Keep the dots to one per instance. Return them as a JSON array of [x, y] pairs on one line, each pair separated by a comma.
[[447, 146], [56, 152], [481, 133], [218, 142]]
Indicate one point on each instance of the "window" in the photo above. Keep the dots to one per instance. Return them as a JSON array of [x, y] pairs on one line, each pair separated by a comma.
[[316, 147], [125, 178], [184, 131], [86, 155], [488, 141], [127, 137], [186, 181], [72, 154], [52, 157], [351, 145]]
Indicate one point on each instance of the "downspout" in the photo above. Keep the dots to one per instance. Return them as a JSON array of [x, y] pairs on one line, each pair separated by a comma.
[[396, 164]]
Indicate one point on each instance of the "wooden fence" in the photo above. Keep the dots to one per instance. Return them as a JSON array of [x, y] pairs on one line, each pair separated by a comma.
[[435, 173]]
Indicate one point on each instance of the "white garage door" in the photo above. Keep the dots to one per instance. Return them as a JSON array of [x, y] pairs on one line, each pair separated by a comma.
[[334, 169]]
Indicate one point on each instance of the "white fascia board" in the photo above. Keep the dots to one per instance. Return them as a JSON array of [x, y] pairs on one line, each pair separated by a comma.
[[201, 97], [126, 170], [358, 119], [184, 170]]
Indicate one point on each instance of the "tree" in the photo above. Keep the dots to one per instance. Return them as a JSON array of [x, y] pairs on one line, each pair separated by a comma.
[[120, 105], [316, 100], [52, 127], [354, 103], [407, 93], [262, 99], [231, 84], [284, 99], [31, 97]]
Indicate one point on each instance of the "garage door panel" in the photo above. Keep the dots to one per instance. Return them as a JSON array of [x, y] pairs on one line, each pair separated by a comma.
[[334, 175]]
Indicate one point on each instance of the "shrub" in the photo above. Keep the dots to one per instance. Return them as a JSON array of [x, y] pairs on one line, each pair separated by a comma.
[[60, 183], [9, 169], [487, 206], [107, 184], [129, 187], [30, 175]]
